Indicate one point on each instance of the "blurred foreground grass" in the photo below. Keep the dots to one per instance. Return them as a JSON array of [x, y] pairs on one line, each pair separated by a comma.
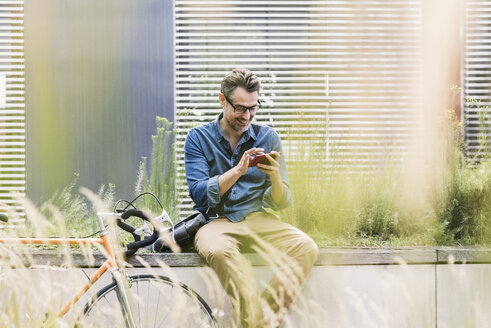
[[335, 206]]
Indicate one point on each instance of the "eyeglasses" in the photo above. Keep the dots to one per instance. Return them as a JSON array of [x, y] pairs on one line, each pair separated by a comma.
[[242, 109]]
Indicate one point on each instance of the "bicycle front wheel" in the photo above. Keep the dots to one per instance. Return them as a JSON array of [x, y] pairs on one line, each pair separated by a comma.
[[156, 301]]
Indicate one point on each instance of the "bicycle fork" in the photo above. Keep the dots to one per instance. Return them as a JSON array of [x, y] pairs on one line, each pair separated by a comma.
[[123, 297]]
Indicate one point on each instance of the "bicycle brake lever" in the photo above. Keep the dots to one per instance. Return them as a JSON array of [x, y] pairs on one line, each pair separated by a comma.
[[144, 229], [163, 216]]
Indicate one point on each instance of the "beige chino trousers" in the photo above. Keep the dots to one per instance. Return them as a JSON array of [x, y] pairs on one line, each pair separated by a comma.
[[289, 251]]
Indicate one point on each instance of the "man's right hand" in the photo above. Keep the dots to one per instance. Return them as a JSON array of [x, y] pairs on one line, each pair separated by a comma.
[[246, 158], [227, 180]]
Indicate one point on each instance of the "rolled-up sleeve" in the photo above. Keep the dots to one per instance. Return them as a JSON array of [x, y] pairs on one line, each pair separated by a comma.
[[213, 192], [203, 189], [286, 200]]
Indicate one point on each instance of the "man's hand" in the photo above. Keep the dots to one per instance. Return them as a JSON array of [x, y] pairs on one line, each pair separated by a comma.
[[273, 168], [227, 180], [246, 158]]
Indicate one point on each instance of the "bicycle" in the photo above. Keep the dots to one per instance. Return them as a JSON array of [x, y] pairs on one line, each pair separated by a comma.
[[145, 300]]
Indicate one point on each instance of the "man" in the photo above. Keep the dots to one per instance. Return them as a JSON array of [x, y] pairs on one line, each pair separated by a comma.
[[221, 182]]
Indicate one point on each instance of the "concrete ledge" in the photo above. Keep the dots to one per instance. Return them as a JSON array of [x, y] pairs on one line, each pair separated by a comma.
[[371, 256], [328, 256], [464, 255]]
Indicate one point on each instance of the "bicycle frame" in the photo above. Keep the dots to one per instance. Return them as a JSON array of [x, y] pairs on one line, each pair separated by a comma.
[[110, 263]]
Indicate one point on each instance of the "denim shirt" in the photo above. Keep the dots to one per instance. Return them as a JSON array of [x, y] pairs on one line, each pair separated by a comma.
[[208, 154]]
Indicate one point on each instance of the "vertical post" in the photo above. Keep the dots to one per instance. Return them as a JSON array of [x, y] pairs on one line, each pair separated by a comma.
[[441, 65]]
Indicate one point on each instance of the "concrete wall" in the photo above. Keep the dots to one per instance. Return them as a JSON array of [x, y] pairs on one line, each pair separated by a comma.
[[337, 295]]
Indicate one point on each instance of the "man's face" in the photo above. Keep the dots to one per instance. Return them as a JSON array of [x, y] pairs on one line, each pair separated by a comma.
[[237, 121]]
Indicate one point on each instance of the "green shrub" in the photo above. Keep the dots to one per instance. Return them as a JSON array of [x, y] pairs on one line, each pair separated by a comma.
[[463, 210], [376, 217], [464, 200]]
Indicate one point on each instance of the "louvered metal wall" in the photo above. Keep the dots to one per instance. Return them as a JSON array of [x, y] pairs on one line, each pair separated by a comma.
[[477, 77], [12, 113], [338, 76]]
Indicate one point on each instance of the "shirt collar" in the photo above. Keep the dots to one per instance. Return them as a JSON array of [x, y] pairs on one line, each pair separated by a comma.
[[219, 132], [249, 133]]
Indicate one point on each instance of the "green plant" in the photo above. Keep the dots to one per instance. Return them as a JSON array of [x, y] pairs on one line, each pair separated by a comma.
[[463, 202], [376, 217], [463, 210], [79, 215], [162, 178]]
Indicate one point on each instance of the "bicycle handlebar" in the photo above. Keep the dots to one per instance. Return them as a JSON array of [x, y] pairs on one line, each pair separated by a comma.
[[138, 243]]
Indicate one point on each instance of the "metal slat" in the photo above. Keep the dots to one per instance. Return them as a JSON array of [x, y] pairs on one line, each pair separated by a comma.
[[12, 113], [298, 3], [477, 73], [290, 22], [295, 33], [323, 67], [343, 58]]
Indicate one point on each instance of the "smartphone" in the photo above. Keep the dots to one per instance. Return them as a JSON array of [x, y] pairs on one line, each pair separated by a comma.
[[259, 159]]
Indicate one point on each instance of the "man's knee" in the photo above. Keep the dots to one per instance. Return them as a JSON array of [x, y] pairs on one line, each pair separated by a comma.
[[312, 250], [307, 250], [221, 254], [219, 251]]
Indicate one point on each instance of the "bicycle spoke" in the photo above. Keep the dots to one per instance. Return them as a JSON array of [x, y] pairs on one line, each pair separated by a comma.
[[164, 304], [158, 306], [163, 320]]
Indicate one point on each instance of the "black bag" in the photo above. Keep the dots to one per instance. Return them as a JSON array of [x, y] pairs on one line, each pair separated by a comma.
[[183, 233]]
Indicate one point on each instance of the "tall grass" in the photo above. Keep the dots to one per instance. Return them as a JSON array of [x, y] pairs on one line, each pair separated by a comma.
[[78, 213], [339, 205], [374, 207], [463, 203], [161, 180]]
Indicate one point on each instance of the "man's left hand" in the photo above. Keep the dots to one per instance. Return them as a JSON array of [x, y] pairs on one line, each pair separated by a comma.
[[273, 168]]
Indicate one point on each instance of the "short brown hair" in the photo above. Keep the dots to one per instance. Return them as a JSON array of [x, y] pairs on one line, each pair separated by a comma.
[[240, 77]]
